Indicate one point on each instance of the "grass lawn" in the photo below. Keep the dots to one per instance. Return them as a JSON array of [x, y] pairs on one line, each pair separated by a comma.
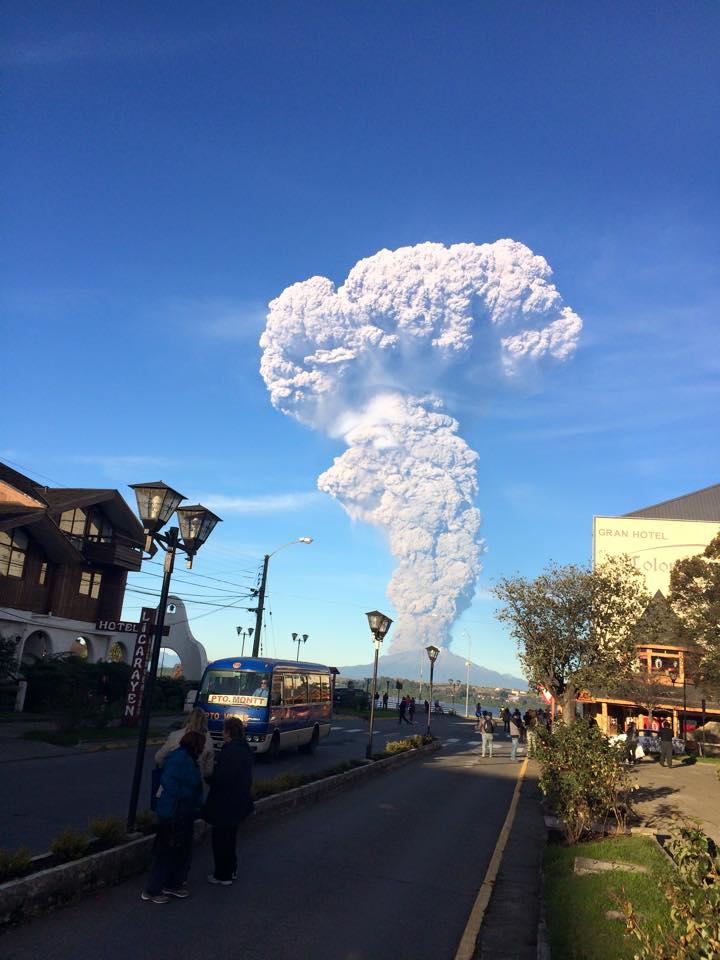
[[576, 905]]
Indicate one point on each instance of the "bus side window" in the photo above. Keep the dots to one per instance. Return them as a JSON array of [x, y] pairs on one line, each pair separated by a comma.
[[276, 699], [325, 681], [301, 688], [287, 689], [315, 690]]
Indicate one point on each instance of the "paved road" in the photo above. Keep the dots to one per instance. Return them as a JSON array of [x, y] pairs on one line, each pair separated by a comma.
[[42, 796], [391, 867]]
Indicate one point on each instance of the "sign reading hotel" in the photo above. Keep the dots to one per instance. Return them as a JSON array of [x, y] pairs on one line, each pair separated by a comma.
[[653, 545], [138, 667]]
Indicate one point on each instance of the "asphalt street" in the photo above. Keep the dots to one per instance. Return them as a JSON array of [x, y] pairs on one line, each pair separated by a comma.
[[40, 797], [391, 867]]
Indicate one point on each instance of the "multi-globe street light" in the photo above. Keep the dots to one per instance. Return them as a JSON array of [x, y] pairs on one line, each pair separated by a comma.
[[156, 503], [245, 634], [433, 653], [298, 639], [379, 626], [258, 610]]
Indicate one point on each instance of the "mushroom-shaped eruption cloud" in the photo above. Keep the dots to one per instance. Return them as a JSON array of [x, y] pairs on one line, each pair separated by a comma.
[[373, 362]]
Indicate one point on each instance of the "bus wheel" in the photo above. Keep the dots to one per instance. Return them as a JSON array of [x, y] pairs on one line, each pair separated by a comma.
[[310, 746], [273, 751]]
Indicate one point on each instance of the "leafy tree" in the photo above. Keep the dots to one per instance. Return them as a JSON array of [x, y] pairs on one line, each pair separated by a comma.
[[574, 626], [695, 598], [8, 657]]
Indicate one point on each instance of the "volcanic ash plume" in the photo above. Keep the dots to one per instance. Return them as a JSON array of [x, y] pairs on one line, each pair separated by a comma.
[[371, 361]]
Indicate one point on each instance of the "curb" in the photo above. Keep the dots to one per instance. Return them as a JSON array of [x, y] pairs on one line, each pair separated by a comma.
[[34, 895]]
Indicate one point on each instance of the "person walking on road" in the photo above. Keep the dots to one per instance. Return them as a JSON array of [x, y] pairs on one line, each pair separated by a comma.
[[229, 800], [411, 710], [402, 708], [178, 802], [631, 743], [385, 701], [506, 720], [515, 730], [478, 717], [486, 732], [666, 745]]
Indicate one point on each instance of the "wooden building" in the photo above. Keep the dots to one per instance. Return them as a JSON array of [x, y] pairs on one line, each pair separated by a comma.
[[64, 559]]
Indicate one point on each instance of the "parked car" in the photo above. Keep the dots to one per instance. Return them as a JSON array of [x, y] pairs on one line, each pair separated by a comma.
[[350, 697]]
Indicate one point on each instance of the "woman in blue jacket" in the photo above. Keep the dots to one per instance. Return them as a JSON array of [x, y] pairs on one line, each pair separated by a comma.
[[178, 802]]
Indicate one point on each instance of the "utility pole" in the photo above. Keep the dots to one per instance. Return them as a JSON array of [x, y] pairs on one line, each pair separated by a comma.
[[260, 607]]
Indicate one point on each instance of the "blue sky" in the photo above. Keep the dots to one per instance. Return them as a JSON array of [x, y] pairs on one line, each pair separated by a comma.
[[170, 168]]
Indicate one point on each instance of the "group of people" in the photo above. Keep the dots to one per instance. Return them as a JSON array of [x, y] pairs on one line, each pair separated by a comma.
[[187, 761], [632, 738], [406, 710], [519, 728]]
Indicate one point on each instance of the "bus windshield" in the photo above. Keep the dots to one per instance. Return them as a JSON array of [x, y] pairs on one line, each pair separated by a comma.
[[235, 686]]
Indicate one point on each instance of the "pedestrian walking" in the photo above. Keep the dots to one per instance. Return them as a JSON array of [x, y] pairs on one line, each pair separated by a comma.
[[427, 708], [531, 733], [631, 742], [178, 803], [515, 731], [506, 720], [666, 745], [411, 710], [385, 700], [229, 800], [487, 732], [402, 709], [478, 717]]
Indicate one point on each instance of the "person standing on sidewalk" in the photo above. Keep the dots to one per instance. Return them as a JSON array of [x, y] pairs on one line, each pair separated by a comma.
[[486, 732], [515, 730], [666, 745], [506, 720], [229, 800], [178, 802]]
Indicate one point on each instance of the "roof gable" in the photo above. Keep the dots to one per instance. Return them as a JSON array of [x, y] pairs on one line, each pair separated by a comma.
[[702, 505]]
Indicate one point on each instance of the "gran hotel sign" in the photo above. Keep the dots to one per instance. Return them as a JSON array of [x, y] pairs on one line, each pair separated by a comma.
[[653, 545]]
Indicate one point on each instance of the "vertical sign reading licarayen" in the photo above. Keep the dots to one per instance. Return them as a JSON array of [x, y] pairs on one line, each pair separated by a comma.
[[141, 656]]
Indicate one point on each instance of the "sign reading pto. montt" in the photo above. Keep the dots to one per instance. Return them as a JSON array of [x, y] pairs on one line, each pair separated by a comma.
[[141, 655]]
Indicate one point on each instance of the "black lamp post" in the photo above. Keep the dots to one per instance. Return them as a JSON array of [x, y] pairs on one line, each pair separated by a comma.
[[379, 626], [433, 653], [673, 673], [244, 634], [298, 639], [156, 503]]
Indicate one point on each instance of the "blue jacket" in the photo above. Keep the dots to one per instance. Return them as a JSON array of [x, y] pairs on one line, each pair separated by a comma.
[[181, 794]]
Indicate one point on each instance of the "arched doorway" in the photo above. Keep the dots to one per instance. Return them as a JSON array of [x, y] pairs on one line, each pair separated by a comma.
[[37, 645], [82, 648], [117, 652]]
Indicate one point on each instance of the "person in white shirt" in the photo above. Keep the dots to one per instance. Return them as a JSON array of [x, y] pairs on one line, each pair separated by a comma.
[[195, 723]]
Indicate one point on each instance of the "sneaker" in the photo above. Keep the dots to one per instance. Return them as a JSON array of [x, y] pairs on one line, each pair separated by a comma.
[[154, 897], [223, 883], [180, 892]]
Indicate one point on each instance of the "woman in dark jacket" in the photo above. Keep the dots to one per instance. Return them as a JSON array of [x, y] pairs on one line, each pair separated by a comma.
[[178, 801], [229, 800]]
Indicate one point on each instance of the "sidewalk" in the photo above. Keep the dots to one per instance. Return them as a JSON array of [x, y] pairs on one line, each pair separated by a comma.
[[690, 790]]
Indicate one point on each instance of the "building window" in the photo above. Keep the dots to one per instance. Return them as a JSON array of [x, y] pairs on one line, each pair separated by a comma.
[[99, 528], [73, 522], [42, 576], [13, 550], [90, 583], [80, 648]]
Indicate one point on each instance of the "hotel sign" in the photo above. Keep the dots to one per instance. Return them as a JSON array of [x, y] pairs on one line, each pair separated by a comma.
[[122, 626], [138, 666], [653, 545]]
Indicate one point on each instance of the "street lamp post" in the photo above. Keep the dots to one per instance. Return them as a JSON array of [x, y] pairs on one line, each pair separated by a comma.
[[379, 626], [258, 610], [244, 634], [156, 503], [433, 653], [298, 639], [467, 689], [673, 673]]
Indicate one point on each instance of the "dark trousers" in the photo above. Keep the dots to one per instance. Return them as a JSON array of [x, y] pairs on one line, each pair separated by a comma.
[[224, 843], [402, 717], [171, 855], [666, 753]]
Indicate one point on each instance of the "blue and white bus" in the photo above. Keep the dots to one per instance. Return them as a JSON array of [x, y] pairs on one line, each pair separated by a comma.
[[282, 703]]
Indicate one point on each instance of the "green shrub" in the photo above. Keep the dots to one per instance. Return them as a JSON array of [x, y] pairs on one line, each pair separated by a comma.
[[289, 781], [67, 687], [408, 743], [583, 778], [110, 831], [13, 863], [146, 821], [693, 895], [69, 845]]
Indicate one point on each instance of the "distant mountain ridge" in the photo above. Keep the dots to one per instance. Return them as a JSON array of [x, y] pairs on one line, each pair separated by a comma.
[[448, 666]]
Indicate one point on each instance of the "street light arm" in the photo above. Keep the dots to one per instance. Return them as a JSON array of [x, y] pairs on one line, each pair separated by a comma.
[[261, 593], [289, 544]]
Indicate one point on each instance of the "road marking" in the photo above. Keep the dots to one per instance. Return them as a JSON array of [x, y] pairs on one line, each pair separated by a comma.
[[452, 740], [356, 730], [468, 941], [337, 728]]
